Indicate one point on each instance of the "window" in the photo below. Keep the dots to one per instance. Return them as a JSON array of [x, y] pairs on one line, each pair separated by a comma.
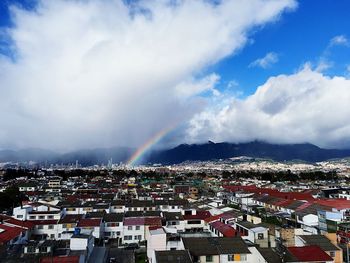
[[129, 227], [209, 259], [32, 217], [137, 227], [136, 238], [332, 254], [30, 249], [127, 237], [19, 216], [43, 249], [41, 217], [40, 227], [237, 257], [260, 236], [50, 217], [52, 236], [118, 233], [50, 227], [194, 222]]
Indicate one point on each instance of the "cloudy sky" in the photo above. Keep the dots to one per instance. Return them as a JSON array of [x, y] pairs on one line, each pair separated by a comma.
[[101, 73]]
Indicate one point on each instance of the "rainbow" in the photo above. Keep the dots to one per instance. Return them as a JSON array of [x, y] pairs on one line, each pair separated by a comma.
[[137, 155]]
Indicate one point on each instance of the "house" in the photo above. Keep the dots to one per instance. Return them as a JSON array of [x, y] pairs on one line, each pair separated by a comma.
[[135, 228], [113, 226], [174, 220], [195, 219], [117, 206], [55, 182], [140, 205], [28, 187], [101, 207], [218, 249], [310, 254], [324, 243], [21, 212], [46, 228], [67, 224], [82, 242], [221, 229], [255, 233], [39, 247], [44, 215], [156, 240], [92, 225]]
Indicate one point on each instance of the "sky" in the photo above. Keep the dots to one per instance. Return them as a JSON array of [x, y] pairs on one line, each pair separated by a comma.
[[89, 73]]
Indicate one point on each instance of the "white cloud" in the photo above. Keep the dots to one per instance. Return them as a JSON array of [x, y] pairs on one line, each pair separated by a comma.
[[307, 106], [323, 64], [339, 40], [194, 86], [265, 62], [100, 73], [232, 84]]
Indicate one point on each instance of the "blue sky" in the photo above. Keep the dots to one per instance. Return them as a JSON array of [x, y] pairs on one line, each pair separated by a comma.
[[155, 69], [298, 37]]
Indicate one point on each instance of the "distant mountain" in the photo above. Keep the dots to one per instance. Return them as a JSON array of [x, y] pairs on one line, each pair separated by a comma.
[[96, 156], [184, 152], [278, 152]]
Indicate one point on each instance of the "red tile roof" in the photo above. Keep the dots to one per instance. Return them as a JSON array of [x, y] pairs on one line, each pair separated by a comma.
[[140, 221], [338, 203], [271, 192], [60, 259], [9, 232], [89, 222], [12, 221], [213, 218], [226, 230], [202, 215], [134, 221], [154, 227], [44, 222], [153, 221], [70, 219], [309, 254]]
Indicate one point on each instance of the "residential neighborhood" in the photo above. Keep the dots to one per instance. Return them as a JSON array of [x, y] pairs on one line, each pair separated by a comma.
[[165, 214]]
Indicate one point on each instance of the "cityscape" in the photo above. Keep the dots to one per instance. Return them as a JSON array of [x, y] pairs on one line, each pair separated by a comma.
[[174, 131]]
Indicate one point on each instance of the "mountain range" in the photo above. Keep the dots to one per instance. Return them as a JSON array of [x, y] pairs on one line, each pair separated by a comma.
[[184, 152]]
